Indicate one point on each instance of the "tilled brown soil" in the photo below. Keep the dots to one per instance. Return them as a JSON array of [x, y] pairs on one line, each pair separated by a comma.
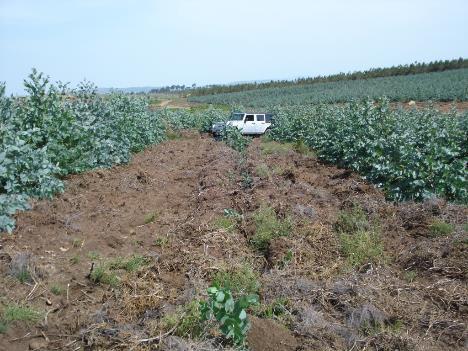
[[165, 204]]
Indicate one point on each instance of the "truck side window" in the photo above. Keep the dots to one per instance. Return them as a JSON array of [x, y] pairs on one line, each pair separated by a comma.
[[249, 118], [261, 118]]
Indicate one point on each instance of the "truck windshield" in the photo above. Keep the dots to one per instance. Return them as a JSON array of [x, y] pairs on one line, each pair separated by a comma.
[[237, 117]]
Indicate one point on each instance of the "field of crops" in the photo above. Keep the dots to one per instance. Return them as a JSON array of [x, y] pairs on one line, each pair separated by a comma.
[[412, 154], [437, 86], [266, 243]]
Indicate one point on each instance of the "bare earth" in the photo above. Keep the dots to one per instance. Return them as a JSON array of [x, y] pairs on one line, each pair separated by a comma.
[[186, 184]]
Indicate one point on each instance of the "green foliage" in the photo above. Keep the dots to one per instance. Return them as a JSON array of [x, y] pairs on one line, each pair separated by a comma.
[[412, 155], [267, 227], [436, 86], [100, 275], [23, 276], [234, 138], [440, 228], [352, 221], [17, 313], [56, 289], [270, 147], [130, 264], [231, 314], [410, 276], [274, 310], [362, 247], [400, 70], [262, 171], [150, 217], [54, 131], [187, 321], [239, 280], [360, 240], [226, 223]]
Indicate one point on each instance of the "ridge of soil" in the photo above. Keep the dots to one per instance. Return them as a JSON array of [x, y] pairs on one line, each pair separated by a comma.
[[164, 205]]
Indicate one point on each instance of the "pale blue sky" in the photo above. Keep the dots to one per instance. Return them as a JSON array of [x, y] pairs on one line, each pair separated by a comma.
[[123, 43]]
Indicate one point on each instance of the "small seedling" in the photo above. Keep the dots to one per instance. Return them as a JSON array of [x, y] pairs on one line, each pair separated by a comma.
[[75, 259], [230, 314]]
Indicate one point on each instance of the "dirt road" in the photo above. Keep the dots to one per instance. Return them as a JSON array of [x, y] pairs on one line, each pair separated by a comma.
[[168, 206]]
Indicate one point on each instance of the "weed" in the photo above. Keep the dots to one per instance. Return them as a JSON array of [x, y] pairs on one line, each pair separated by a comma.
[[225, 223], [267, 227], [269, 147], [76, 243], [161, 241], [362, 247], [231, 213], [131, 264], [239, 280], [93, 255], [75, 259], [440, 228], [56, 289], [352, 221], [286, 259], [275, 309], [187, 320], [150, 217], [173, 135], [3, 327], [102, 276], [262, 171], [246, 180], [410, 276], [301, 148], [23, 276], [13, 313]]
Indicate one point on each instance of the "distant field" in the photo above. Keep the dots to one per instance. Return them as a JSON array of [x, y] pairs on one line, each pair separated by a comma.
[[438, 86]]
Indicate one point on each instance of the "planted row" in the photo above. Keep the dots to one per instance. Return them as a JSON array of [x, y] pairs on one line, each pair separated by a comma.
[[412, 154]]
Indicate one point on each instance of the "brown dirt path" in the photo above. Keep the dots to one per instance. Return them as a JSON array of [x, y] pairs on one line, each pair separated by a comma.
[[164, 205]]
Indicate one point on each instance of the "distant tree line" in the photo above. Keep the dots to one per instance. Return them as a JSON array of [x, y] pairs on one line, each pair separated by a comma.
[[400, 70], [173, 89]]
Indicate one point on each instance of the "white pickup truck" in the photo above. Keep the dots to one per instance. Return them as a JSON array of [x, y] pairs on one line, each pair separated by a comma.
[[247, 123]]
